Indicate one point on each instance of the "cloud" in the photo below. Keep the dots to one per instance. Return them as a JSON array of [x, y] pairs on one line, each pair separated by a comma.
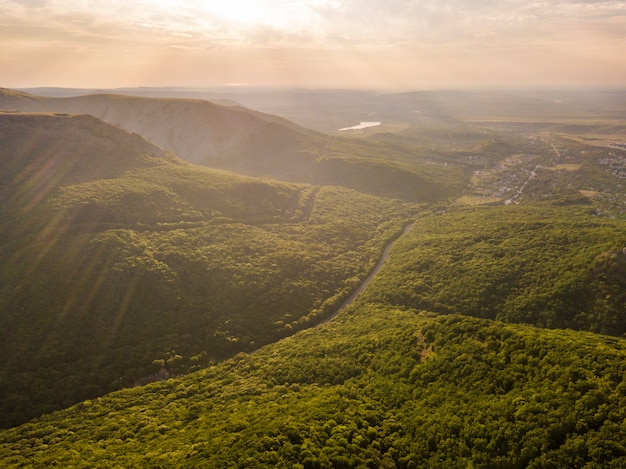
[[329, 22], [394, 39]]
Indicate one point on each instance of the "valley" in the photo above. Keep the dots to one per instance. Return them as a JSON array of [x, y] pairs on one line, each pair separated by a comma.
[[445, 288]]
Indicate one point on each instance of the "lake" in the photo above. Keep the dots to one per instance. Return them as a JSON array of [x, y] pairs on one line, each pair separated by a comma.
[[362, 125]]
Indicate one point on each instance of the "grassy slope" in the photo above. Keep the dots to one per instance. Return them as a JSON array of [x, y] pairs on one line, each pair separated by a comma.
[[116, 254]]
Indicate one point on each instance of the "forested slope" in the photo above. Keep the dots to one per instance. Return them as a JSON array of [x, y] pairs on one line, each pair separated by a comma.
[[556, 267], [387, 384], [491, 337], [378, 387], [253, 143], [119, 259]]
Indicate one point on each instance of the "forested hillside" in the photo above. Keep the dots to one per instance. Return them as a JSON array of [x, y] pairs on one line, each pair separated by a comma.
[[176, 314], [119, 259], [378, 387], [253, 143], [549, 266]]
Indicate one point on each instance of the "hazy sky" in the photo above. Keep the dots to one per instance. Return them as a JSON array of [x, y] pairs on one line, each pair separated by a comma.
[[409, 44]]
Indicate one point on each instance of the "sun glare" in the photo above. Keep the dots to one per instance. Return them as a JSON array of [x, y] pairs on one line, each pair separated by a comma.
[[249, 12]]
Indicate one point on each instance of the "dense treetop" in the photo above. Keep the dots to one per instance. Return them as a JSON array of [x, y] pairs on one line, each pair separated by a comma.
[[542, 265], [377, 387]]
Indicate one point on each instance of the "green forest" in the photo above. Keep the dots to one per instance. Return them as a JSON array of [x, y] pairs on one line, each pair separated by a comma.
[[549, 266], [158, 313], [376, 387], [107, 280]]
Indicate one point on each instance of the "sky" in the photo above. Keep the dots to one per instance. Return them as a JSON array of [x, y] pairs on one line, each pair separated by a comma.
[[390, 44]]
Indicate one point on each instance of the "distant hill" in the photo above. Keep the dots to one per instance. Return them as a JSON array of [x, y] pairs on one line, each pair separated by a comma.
[[196, 130], [118, 259], [554, 106], [70, 148], [328, 110], [254, 143]]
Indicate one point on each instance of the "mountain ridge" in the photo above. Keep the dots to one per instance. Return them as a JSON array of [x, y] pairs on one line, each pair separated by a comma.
[[253, 143]]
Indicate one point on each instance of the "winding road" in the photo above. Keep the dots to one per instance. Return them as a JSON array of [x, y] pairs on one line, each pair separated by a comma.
[[365, 282], [370, 277]]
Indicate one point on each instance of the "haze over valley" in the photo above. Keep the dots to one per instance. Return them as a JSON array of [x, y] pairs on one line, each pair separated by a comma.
[[312, 234]]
